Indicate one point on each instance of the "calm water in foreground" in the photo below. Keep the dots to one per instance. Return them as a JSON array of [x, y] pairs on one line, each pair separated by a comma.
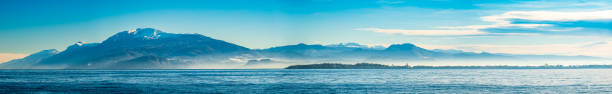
[[309, 81]]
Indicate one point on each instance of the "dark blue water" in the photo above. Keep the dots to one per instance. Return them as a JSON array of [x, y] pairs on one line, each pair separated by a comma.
[[308, 81]]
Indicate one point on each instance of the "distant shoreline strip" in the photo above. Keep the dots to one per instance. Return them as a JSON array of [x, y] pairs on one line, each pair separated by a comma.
[[381, 66]]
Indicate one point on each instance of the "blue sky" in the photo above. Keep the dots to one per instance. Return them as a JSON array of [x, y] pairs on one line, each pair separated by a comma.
[[560, 27]]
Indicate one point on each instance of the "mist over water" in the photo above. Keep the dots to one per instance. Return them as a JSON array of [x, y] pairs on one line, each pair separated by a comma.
[[309, 81]]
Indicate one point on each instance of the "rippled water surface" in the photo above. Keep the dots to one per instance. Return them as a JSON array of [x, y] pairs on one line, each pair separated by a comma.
[[309, 81]]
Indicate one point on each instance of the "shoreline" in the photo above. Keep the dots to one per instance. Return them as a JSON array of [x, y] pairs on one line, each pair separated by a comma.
[[381, 66]]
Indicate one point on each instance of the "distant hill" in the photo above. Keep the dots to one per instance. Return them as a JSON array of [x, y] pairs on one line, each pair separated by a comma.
[[28, 61]]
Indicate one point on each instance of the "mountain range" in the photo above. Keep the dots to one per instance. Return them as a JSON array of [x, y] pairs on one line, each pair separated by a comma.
[[148, 48]]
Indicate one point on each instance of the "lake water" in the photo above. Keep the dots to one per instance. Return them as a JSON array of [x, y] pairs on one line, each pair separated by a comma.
[[309, 81]]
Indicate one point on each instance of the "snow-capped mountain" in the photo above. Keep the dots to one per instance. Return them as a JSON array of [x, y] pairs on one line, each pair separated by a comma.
[[148, 48], [127, 45]]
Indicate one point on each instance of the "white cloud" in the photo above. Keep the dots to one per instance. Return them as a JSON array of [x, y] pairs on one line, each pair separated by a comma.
[[496, 25], [551, 16], [458, 32], [424, 32], [505, 20], [560, 5], [4, 57]]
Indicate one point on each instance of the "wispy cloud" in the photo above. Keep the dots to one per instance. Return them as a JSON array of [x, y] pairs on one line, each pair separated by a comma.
[[424, 32], [550, 16], [440, 32], [546, 4], [545, 22], [525, 23]]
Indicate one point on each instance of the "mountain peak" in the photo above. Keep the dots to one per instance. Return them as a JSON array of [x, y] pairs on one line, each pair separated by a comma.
[[403, 47], [146, 33], [139, 34], [79, 43], [48, 51], [349, 45], [300, 46]]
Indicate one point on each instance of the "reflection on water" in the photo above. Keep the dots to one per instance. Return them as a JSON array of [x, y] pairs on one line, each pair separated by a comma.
[[309, 81]]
